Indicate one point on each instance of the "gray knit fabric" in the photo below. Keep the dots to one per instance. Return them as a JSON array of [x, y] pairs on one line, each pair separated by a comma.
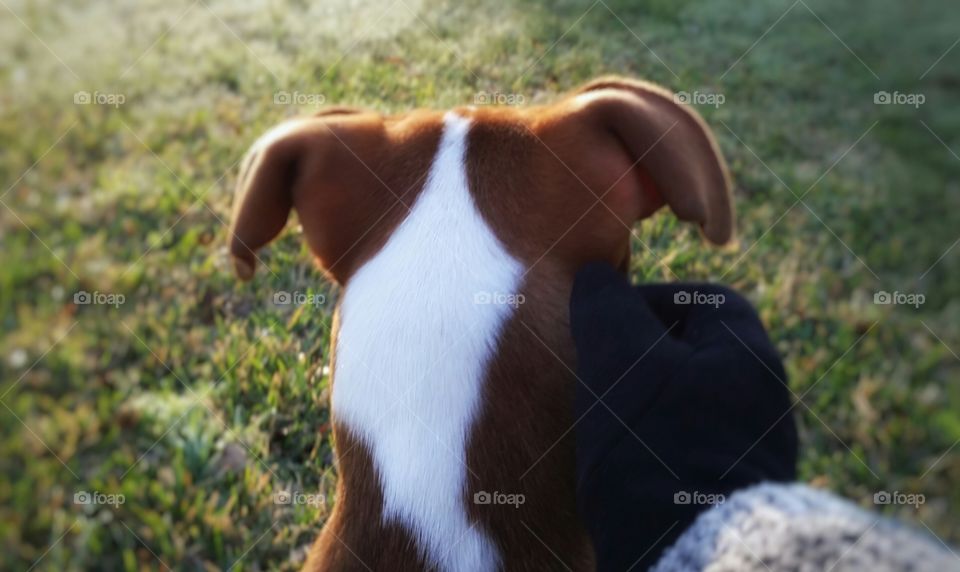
[[775, 528]]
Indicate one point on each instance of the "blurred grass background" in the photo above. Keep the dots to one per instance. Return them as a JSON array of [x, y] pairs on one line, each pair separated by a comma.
[[199, 399]]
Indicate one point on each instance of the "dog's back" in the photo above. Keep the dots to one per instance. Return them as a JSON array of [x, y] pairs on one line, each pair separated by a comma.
[[455, 237]]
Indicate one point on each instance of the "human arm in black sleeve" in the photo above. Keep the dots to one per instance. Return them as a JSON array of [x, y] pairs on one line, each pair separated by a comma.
[[682, 401]]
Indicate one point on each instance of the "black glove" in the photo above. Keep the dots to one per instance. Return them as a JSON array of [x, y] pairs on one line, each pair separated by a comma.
[[683, 401]]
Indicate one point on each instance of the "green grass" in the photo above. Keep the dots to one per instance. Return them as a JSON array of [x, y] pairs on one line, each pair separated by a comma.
[[198, 398]]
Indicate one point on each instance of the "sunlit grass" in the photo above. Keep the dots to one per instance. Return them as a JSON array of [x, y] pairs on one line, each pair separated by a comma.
[[199, 398]]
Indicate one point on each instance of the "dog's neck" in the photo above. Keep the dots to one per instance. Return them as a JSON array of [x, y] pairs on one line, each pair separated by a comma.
[[419, 324], [445, 385]]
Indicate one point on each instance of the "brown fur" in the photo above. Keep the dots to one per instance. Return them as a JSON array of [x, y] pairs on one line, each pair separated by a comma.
[[560, 185]]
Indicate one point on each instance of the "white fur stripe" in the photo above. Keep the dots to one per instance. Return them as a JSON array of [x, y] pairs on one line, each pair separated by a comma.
[[414, 343]]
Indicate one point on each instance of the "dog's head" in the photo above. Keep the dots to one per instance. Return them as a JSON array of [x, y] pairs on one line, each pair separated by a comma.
[[560, 184]]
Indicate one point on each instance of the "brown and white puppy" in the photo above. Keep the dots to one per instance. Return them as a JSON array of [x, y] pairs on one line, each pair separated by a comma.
[[455, 237]]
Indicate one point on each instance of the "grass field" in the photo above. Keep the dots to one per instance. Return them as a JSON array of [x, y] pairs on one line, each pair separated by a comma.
[[202, 401]]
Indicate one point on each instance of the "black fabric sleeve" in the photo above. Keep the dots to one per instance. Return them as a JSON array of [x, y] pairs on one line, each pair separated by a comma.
[[683, 401]]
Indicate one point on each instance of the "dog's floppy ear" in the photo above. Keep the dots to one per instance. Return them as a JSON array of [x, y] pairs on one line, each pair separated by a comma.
[[677, 158], [277, 165], [348, 173], [264, 195]]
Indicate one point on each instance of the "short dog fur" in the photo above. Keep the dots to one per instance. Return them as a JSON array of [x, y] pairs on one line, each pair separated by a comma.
[[455, 237]]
